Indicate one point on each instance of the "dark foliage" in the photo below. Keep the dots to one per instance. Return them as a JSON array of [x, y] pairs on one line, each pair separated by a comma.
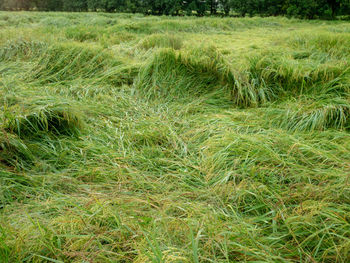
[[309, 9]]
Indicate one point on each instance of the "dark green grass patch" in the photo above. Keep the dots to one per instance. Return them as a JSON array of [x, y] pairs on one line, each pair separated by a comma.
[[55, 120], [13, 151]]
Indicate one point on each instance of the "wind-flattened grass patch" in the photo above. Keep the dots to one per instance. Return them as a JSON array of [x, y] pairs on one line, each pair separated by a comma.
[[83, 33], [313, 115], [285, 74], [269, 77], [175, 75], [111, 38], [15, 187], [271, 156], [57, 21], [234, 155], [161, 40], [147, 133], [36, 134], [17, 19], [333, 45], [182, 181], [13, 151], [71, 62], [196, 25], [21, 49], [58, 119]]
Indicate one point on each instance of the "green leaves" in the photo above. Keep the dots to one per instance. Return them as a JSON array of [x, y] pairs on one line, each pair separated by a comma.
[[308, 9]]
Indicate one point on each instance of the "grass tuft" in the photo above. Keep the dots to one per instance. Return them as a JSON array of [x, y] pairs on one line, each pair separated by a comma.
[[176, 75], [316, 115], [57, 119]]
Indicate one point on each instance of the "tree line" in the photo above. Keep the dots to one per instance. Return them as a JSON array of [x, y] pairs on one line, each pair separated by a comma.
[[309, 9]]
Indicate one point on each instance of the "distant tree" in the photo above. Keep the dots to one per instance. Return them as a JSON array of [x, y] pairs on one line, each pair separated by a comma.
[[272, 7], [49, 5], [133, 6], [309, 9], [121, 5], [345, 7], [334, 6], [76, 5], [9, 5], [226, 6], [23, 4], [94, 5], [190, 6], [244, 7], [213, 5], [173, 7], [339, 7]]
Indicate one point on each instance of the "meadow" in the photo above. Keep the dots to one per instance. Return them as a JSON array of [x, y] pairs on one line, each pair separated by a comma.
[[127, 138]]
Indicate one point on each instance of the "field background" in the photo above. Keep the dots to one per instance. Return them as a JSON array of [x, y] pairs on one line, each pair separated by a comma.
[[126, 138]]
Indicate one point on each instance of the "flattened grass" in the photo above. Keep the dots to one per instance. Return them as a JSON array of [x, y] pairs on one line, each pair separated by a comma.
[[220, 144], [174, 74]]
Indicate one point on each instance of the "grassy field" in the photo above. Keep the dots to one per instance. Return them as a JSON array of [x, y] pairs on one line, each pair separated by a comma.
[[126, 138]]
